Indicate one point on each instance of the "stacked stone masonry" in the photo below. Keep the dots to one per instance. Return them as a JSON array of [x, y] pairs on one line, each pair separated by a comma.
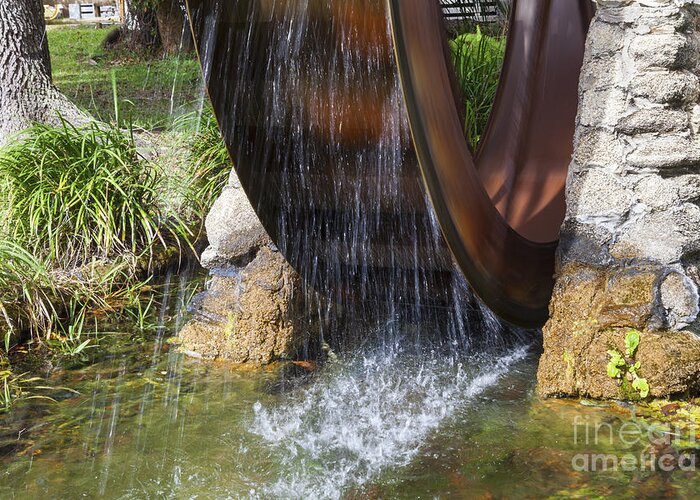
[[630, 248]]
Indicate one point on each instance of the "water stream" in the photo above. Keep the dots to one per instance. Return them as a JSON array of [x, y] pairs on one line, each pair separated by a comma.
[[402, 419]]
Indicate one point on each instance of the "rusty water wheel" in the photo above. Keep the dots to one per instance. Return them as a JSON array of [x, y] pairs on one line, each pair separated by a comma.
[[500, 209]]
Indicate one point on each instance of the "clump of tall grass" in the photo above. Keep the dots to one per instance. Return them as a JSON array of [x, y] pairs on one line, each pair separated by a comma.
[[76, 193], [478, 60], [210, 166], [25, 292], [53, 305]]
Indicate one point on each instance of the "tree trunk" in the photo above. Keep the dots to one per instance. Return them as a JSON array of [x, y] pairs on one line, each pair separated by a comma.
[[140, 28], [27, 93], [173, 27]]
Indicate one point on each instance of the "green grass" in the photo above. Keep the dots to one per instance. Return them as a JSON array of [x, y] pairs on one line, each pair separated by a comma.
[[25, 293], [14, 387], [209, 167], [83, 70], [75, 194], [53, 305], [478, 60], [84, 207]]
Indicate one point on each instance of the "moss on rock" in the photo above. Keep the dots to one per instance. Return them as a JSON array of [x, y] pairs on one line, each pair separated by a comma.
[[592, 311], [253, 317]]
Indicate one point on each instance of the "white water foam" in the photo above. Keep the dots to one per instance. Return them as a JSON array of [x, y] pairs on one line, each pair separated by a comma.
[[364, 417]]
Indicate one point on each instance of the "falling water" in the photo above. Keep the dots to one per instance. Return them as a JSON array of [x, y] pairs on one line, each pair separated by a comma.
[[308, 97], [429, 398]]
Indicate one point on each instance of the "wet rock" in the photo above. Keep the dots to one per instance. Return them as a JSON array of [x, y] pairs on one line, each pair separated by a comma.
[[679, 298], [254, 316], [593, 310], [628, 257], [252, 311]]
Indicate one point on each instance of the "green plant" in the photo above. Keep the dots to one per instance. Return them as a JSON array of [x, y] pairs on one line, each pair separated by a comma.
[[76, 193], [478, 59], [210, 166], [67, 339], [13, 387], [55, 306], [140, 311], [626, 367], [26, 292]]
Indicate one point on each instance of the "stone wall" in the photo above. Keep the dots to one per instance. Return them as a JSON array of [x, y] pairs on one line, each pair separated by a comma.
[[629, 257]]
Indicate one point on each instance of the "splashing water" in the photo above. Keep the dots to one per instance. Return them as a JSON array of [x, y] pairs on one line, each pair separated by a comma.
[[309, 100], [369, 414]]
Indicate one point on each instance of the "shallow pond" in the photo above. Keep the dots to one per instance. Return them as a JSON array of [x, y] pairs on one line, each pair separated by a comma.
[[389, 421]]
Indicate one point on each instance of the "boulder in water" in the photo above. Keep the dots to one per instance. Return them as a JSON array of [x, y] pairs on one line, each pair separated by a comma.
[[252, 316]]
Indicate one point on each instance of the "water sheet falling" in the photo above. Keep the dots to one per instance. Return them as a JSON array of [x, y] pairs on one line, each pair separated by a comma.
[[308, 96]]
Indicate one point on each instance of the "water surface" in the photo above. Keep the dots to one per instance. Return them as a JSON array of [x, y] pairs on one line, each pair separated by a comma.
[[386, 422]]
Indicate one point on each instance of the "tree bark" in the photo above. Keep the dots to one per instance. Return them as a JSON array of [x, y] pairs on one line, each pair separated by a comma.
[[174, 30], [27, 92]]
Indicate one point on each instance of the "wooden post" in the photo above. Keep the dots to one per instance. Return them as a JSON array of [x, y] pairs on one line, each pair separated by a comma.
[[122, 11]]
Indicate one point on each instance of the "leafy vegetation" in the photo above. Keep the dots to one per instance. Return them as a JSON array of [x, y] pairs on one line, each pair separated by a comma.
[[84, 206], [13, 387], [478, 59], [87, 210], [626, 368], [210, 166], [77, 193], [25, 301], [53, 304]]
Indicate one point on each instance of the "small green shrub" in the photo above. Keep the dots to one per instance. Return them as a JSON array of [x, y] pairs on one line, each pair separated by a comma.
[[478, 60], [77, 193]]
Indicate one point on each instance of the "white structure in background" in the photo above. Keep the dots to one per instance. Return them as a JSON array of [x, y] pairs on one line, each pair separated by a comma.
[[110, 10]]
